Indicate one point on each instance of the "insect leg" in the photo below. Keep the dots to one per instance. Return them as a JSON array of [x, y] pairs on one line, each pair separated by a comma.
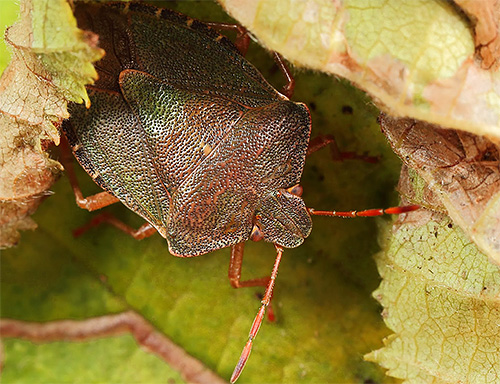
[[234, 272], [242, 37], [289, 87], [97, 201], [258, 318], [322, 141], [90, 203], [143, 231]]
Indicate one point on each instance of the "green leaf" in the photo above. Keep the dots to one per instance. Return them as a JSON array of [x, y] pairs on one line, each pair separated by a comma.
[[9, 14], [441, 297], [326, 319], [116, 358]]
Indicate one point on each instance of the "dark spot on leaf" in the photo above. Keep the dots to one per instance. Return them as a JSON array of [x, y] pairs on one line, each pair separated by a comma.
[[312, 106], [347, 110], [319, 175]]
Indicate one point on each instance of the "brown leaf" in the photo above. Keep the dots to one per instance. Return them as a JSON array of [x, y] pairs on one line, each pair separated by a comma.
[[484, 15], [50, 65], [460, 169]]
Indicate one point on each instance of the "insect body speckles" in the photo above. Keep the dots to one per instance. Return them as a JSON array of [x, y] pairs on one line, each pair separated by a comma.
[[190, 134]]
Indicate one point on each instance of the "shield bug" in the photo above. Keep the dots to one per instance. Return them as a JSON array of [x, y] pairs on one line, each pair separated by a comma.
[[201, 146]]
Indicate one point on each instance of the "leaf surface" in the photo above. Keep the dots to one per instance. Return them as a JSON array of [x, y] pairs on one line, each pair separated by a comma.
[[416, 58], [326, 320], [322, 299], [459, 169], [51, 63], [441, 297]]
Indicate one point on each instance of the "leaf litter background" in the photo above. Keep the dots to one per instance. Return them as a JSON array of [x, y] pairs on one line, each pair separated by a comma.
[[326, 318]]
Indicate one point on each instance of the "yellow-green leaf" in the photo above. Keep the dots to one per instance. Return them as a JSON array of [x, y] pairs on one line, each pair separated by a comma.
[[414, 57], [441, 298]]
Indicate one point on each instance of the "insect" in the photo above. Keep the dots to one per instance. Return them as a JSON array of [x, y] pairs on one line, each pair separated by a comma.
[[201, 146]]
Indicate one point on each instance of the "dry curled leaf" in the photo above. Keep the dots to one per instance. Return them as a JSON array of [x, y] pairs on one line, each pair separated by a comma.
[[460, 168], [51, 63], [414, 57], [441, 297], [484, 15], [414, 188]]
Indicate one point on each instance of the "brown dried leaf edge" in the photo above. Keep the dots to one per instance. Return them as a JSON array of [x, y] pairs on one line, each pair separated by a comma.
[[51, 63]]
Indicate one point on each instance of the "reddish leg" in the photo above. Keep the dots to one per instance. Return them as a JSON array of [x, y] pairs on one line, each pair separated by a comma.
[[90, 203], [97, 201], [366, 213], [234, 272], [271, 316], [322, 141], [142, 232], [289, 87], [258, 318], [242, 38]]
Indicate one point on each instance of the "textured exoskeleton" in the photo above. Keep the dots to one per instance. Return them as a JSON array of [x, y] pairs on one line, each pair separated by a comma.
[[188, 134]]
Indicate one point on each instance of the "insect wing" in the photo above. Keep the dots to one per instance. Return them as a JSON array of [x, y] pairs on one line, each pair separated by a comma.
[[180, 127], [215, 206], [184, 131], [172, 47], [109, 143]]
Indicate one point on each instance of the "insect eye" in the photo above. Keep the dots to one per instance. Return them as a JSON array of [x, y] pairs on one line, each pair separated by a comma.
[[256, 234], [296, 190]]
